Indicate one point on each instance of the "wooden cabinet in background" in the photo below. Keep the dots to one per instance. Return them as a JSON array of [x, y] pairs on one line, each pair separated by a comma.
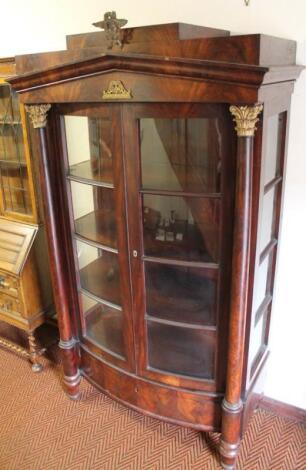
[[17, 192], [25, 289], [163, 214]]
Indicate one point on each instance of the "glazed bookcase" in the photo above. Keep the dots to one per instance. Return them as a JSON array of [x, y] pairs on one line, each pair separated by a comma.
[[17, 193], [162, 165], [25, 289]]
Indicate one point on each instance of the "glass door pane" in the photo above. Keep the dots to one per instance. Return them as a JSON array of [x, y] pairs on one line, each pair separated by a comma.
[[14, 179], [94, 192], [180, 155], [182, 227], [180, 192], [90, 154]]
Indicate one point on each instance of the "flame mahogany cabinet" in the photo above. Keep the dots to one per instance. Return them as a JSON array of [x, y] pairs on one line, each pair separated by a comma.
[[162, 163]]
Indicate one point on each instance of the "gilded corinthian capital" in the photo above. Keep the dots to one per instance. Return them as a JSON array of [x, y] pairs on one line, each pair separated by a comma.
[[38, 114], [246, 118]]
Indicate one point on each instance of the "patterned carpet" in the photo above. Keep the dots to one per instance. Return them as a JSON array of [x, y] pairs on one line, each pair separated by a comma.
[[41, 429]]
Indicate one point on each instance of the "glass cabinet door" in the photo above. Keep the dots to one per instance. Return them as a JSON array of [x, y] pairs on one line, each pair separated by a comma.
[[14, 172], [98, 227], [182, 198]]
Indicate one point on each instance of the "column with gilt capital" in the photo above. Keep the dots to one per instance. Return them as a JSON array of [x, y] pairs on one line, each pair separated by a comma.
[[58, 266], [245, 118]]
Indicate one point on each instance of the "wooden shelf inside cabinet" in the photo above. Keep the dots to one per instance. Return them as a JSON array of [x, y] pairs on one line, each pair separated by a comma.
[[101, 278], [184, 294], [97, 226]]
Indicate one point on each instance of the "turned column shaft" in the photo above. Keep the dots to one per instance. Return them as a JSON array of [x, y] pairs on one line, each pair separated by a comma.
[[245, 118], [240, 269], [58, 262]]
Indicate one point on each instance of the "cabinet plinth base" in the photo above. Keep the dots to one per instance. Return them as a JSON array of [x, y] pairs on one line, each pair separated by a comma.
[[199, 410]]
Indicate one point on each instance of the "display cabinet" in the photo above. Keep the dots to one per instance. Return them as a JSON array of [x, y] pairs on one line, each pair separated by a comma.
[[161, 164], [17, 194], [25, 289]]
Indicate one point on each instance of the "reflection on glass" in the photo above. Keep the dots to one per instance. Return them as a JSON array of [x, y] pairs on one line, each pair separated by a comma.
[[103, 325], [181, 154], [257, 338], [183, 228], [183, 351], [13, 170], [275, 129], [99, 272], [89, 147], [267, 226], [261, 286], [180, 293], [94, 213]]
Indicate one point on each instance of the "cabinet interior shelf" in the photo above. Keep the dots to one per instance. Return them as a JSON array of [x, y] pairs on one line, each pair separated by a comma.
[[98, 226], [101, 278], [180, 294], [85, 172], [104, 330], [181, 351], [168, 192], [195, 326], [101, 301]]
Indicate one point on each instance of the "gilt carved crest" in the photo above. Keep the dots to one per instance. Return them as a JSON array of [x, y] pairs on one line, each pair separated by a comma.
[[246, 118], [116, 91], [111, 26]]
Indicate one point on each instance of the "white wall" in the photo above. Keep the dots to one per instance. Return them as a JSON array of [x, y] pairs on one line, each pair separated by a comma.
[[35, 26]]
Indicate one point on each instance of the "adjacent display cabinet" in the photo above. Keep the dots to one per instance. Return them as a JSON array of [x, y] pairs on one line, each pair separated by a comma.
[[25, 289], [17, 194], [162, 156]]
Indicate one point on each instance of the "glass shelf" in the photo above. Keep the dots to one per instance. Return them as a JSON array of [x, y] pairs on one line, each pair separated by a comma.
[[182, 351], [94, 213], [99, 272], [103, 325], [86, 171], [184, 228], [181, 294], [96, 227]]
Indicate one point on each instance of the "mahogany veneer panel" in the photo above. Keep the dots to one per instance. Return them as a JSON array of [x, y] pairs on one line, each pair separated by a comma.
[[154, 33], [256, 49], [196, 409]]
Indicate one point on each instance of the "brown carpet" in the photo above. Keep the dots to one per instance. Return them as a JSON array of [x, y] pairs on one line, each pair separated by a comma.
[[41, 429]]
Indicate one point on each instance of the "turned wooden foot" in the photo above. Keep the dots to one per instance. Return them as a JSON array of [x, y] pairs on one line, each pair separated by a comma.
[[231, 429], [34, 353], [71, 372], [228, 453]]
